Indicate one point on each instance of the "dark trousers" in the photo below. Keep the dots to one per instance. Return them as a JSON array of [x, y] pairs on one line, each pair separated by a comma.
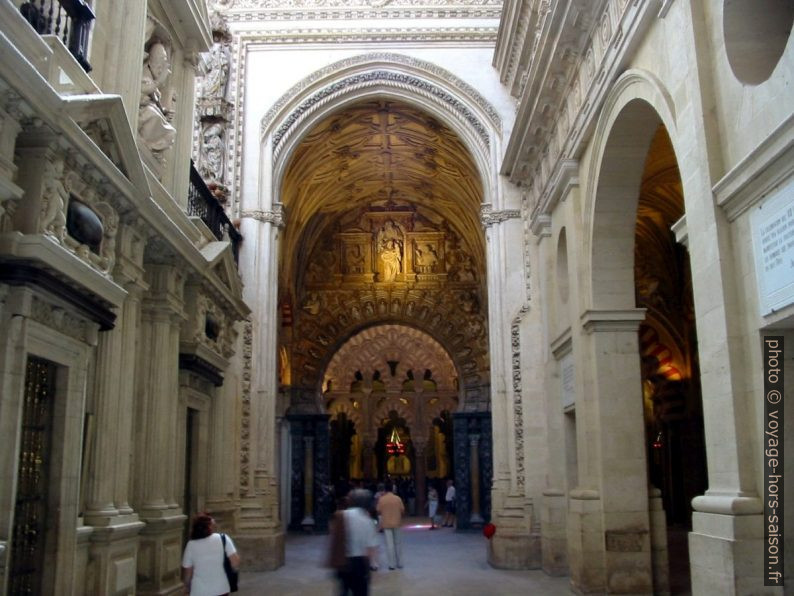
[[354, 579]]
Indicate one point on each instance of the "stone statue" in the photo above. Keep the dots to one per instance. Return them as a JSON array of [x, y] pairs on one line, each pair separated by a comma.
[[392, 260], [53, 201], [354, 259], [212, 153], [389, 245], [154, 114], [214, 68]]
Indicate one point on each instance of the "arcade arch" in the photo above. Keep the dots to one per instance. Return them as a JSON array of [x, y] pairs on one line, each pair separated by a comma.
[[641, 306]]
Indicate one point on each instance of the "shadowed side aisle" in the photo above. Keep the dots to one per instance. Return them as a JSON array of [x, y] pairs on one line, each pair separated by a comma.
[[436, 563]]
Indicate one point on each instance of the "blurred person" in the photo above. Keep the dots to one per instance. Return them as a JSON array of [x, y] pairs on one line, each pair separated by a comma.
[[390, 511]]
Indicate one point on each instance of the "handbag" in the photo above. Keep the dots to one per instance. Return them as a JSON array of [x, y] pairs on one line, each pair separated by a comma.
[[231, 573]]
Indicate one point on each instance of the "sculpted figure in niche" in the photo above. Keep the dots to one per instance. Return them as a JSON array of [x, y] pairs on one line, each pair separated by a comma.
[[426, 259], [212, 147], [154, 115], [389, 245], [392, 260], [214, 67], [53, 201], [354, 259]]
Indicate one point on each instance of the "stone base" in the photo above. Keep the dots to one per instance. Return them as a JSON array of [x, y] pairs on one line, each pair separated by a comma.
[[114, 556], [514, 550], [554, 539], [726, 554], [264, 552], [159, 564]]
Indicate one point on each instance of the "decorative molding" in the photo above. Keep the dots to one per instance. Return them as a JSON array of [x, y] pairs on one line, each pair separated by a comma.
[[388, 59], [518, 406], [562, 345], [245, 409], [541, 226], [275, 217], [467, 35], [489, 217], [369, 79], [681, 232]]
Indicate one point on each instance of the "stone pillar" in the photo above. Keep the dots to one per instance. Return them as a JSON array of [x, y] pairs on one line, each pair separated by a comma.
[[156, 418], [114, 537], [467, 426], [260, 537], [312, 495], [554, 543], [659, 557], [421, 473], [308, 483], [613, 528], [474, 471]]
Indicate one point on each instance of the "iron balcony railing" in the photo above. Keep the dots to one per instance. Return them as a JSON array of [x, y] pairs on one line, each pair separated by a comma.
[[70, 20], [202, 203]]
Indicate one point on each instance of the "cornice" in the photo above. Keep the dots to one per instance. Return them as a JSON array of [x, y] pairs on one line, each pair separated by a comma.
[[611, 321], [328, 35], [295, 10]]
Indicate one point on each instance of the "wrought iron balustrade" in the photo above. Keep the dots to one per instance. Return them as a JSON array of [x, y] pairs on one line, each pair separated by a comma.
[[70, 20], [202, 203]]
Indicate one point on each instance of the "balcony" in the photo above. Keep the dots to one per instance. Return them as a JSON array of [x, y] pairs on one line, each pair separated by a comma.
[[203, 204], [69, 20]]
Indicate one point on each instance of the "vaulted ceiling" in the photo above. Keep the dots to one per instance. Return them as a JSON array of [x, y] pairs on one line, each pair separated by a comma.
[[377, 151]]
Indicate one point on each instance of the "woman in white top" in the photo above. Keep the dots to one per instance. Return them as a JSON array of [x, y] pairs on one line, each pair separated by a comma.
[[202, 563]]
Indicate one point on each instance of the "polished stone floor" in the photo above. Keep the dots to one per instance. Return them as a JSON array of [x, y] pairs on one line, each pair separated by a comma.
[[436, 563]]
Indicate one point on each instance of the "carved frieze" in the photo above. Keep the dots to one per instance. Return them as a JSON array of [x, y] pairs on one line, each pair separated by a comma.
[[245, 407]]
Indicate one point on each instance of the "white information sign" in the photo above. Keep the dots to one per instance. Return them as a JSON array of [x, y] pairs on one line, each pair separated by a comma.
[[567, 388], [773, 243]]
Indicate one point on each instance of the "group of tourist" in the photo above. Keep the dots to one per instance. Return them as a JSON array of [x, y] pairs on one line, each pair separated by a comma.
[[353, 541]]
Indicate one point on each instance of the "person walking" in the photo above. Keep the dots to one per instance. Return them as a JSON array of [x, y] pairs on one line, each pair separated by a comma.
[[432, 506], [449, 501], [361, 543], [391, 510], [202, 562]]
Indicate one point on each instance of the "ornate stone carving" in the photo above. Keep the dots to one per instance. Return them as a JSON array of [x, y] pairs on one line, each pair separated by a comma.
[[156, 104], [63, 321], [378, 77], [245, 408], [518, 406], [212, 155], [489, 217], [275, 217]]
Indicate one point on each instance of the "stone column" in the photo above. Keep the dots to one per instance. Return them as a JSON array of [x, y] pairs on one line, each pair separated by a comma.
[[260, 537], [474, 460], [609, 522], [308, 483], [157, 405], [421, 472], [114, 539]]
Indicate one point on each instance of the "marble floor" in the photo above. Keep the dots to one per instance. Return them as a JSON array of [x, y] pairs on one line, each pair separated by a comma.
[[436, 563]]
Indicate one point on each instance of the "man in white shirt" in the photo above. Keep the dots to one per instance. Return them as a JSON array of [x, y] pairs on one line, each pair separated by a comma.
[[361, 542]]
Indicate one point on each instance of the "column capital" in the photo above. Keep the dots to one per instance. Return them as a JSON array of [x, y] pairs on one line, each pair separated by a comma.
[[627, 319]]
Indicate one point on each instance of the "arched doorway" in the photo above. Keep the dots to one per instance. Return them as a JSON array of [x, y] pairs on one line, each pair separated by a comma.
[[398, 385], [642, 307], [382, 239]]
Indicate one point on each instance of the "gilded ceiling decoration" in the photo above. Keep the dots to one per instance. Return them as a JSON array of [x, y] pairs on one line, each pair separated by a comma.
[[663, 279], [382, 226]]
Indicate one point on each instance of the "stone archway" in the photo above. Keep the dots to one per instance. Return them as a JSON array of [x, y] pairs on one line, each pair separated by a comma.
[[382, 204]]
